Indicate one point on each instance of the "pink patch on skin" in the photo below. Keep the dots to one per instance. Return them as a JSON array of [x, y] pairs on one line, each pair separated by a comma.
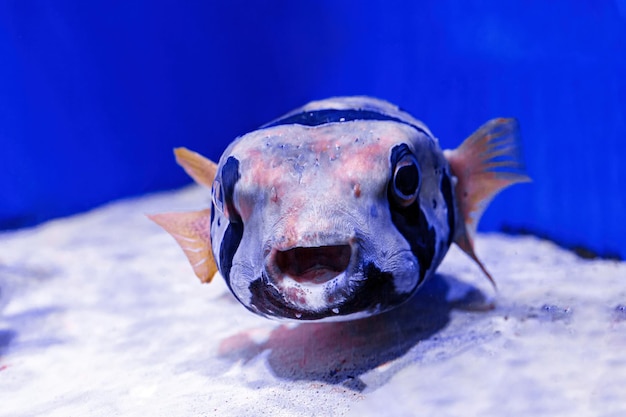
[[296, 296], [296, 186], [266, 171], [320, 146], [245, 209]]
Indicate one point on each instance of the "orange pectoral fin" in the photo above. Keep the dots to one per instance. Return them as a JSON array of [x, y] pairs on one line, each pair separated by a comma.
[[486, 163], [201, 169], [192, 232]]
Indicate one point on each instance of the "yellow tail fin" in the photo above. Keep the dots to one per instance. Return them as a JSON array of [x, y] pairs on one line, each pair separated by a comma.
[[485, 163], [201, 169], [192, 230]]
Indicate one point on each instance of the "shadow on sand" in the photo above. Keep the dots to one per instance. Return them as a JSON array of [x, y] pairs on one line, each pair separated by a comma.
[[6, 336], [339, 353]]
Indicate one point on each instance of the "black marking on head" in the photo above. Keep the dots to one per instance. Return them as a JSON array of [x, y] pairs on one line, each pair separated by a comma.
[[212, 230], [446, 190], [377, 293], [234, 231], [377, 290], [411, 221], [322, 117]]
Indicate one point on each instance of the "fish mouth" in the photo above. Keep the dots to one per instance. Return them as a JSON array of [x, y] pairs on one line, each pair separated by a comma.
[[312, 278], [332, 282], [313, 265]]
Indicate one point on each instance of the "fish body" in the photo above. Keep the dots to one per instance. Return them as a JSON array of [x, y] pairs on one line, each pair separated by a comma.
[[340, 209]]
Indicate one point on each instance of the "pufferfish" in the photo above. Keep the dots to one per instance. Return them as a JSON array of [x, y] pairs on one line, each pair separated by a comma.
[[340, 209]]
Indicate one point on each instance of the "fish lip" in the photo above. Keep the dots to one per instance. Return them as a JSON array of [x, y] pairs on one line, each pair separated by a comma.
[[317, 288]]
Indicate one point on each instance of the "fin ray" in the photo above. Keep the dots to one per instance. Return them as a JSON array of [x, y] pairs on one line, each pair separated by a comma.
[[484, 164], [201, 169], [191, 232]]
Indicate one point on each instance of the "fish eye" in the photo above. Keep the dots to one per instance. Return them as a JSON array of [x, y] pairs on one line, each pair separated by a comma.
[[406, 180], [217, 195]]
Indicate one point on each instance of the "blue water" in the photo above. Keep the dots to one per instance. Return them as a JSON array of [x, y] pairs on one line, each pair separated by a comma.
[[94, 95]]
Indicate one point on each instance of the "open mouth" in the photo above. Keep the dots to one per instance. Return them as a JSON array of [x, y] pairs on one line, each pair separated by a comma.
[[313, 265]]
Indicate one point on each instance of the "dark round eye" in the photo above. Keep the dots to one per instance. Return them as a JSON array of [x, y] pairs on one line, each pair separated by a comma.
[[406, 180], [217, 196]]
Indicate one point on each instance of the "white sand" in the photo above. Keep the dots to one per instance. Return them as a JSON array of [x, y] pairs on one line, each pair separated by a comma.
[[102, 316]]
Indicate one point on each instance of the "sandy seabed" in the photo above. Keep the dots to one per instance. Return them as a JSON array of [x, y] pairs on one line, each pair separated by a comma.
[[100, 315]]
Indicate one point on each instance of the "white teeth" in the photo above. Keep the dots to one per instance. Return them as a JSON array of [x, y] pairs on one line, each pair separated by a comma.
[[336, 310], [298, 315]]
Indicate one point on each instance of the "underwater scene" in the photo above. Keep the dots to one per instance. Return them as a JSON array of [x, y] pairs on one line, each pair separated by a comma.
[[312, 208]]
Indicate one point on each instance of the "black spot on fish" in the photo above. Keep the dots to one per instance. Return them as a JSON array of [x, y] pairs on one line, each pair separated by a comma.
[[234, 231], [446, 190], [213, 229], [411, 221], [230, 243], [377, 290], [266, 299], [322, 117]]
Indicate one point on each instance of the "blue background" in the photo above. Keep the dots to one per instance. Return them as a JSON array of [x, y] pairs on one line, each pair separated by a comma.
[[95, 94]]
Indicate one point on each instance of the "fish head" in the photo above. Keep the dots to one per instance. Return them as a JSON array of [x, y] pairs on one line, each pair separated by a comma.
[[328, 222]]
